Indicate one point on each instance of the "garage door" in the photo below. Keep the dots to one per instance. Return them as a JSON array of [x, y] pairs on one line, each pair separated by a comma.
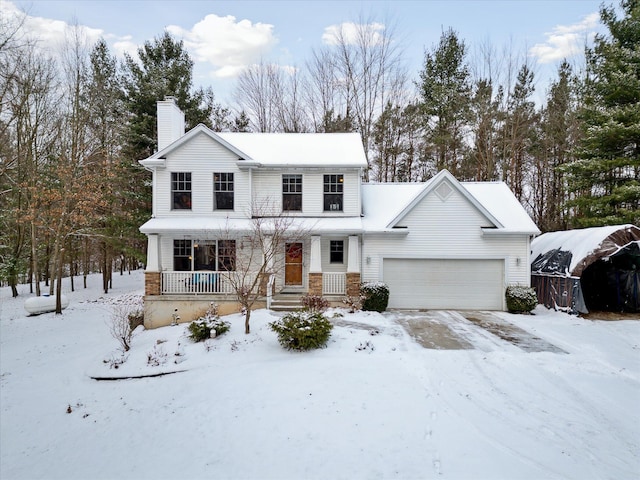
[[444, 284]]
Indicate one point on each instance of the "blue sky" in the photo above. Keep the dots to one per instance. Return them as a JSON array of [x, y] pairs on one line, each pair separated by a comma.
[[225, 36]]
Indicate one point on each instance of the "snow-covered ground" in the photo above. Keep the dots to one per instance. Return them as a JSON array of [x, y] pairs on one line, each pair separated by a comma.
[[373, 404]]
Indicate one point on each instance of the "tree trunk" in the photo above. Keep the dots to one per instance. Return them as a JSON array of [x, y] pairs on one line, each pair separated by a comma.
[[34, 259], [60, 258], [247, 316]]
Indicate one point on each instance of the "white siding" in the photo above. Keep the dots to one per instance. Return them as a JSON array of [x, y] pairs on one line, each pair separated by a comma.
[[267, 186], [202, 157], [448, 229], [327, 266]]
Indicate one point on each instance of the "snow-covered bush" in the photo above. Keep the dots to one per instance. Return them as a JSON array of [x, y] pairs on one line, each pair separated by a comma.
[[376, 296], [521, 299], [202, 328], [303, 330], [315, 303]]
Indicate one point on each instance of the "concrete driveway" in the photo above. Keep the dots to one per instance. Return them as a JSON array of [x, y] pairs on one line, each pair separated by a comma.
[[467, 330]]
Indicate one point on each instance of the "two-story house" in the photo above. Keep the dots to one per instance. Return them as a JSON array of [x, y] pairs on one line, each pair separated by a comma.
[[439, 244]]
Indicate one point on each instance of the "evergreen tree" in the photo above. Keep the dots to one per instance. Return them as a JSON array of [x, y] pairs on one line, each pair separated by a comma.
[[164, 69], [604, 179], [517, 135], [485, 108], [445, 90]]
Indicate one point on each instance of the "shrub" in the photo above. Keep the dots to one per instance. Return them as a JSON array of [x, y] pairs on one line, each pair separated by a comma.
[[120, 326], [303, 330], [521, 299], [354, 303], [376, 296], [200, 329], [315, 303]]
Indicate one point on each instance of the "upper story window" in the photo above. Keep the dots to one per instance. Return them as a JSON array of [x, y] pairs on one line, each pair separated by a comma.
[[333, 186], [336, 251], [181, 190], [292, 193], [223, 191], [182, 255]]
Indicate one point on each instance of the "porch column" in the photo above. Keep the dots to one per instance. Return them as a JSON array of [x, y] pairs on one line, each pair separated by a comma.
[[153, 253], [315, 266], [264, 281], [353, 267], [152, 273]]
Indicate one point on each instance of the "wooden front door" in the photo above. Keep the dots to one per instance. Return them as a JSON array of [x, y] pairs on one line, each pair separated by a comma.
[[293, 264]]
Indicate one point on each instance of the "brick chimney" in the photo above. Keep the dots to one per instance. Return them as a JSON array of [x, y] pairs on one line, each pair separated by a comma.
[[170, 122]]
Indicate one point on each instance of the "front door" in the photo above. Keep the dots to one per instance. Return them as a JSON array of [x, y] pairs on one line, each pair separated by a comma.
[[293, 264]]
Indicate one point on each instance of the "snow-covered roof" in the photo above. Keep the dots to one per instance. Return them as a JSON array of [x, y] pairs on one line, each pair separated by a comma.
[[300, 149], [323, 150], [192, 225], [500, 201], [383, 203], [554, 248]]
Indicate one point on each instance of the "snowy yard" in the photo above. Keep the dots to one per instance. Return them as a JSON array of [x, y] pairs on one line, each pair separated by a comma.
[[374, 404]]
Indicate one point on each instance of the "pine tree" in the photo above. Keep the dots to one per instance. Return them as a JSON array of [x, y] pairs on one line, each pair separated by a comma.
[[164, 69], [604, 179], [517, 133], [445, 90]]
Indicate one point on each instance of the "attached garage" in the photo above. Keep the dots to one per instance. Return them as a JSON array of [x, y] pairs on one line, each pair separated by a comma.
[[470, 284]]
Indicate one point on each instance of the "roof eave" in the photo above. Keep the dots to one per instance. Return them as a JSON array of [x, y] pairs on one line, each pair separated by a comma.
[[506, 231]]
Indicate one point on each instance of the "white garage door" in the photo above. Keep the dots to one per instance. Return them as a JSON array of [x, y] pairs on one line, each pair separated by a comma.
[[444, 284]]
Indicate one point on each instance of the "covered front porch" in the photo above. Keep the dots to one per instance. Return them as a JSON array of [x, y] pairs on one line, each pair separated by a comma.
[[319, 265]]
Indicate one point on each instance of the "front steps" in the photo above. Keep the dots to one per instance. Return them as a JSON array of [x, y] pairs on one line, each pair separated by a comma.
[[286, 302], [290, 302]]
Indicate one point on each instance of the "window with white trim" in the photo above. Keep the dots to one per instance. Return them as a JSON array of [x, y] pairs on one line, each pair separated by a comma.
[[215, 255], [182, 255], [336, 251], [333, 188], [292, 193], [223, 191], [181, 190]]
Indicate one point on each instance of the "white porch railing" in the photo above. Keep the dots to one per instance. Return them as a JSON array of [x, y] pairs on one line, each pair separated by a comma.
[[194, 283], [334, 283]]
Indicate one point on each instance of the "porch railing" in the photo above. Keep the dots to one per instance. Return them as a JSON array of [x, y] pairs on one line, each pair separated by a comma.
[[193, 283], [334, 283]]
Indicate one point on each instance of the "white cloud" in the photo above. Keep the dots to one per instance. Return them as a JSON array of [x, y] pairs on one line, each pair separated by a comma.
[[229, 45], [52, 34], [350, 32], [565, 40]]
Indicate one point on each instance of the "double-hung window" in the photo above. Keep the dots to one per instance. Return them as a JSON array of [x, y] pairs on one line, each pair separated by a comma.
[[336, 251], [333, 187], [181, 255], [292, 193], [223, 191], [181, 190]]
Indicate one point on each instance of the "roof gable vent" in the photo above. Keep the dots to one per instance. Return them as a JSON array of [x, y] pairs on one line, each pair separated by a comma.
[[444, 191]]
